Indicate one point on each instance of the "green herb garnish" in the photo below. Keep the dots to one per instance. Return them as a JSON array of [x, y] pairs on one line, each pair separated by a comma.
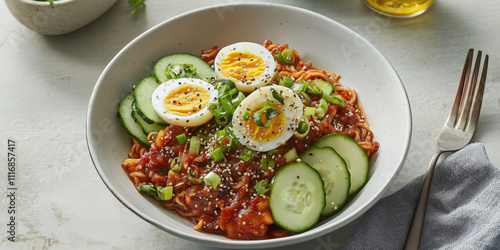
[[136, 4], [50, 1]]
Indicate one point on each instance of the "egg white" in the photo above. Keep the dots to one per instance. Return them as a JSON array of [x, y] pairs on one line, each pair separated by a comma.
[[194, 119], [257, 49], [292, 108]]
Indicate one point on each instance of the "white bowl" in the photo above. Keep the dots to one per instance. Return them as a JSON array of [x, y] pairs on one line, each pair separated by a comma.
[[62, 17], [326, 43]]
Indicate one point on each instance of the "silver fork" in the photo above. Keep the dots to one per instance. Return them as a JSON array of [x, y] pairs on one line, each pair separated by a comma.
[[456, 134]]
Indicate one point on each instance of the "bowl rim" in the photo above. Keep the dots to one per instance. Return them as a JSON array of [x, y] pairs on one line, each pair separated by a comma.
[[44, 3], [276, 242]]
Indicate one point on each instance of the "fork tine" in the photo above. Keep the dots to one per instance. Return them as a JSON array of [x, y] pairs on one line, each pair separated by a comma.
[[478, 97], [468, 94], [457, 104]]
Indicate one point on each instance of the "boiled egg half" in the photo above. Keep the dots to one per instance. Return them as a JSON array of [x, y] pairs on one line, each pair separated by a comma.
[[184, 101], [281, 125], [249, 65]]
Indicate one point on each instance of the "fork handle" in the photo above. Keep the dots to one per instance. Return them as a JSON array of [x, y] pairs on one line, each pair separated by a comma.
[[417, 223]]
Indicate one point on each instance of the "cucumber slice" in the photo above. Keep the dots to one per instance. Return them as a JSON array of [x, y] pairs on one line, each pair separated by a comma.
[[297, 197], [125, 115], [333, 171], [142, 95], [325, 86], [203, 70], [146, 127], [355, 157]]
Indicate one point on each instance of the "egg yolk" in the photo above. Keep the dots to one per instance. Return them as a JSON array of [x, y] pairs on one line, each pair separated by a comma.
[[242, 66], [186, 100], [271, 133]]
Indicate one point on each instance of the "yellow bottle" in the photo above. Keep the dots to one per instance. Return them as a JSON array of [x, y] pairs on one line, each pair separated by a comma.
[[399, 8]]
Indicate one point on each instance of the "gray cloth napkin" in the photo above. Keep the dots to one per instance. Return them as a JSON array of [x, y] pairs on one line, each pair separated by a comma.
[[463, 209]]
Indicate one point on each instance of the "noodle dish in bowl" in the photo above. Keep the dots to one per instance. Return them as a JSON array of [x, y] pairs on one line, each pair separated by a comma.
[[249, 140]]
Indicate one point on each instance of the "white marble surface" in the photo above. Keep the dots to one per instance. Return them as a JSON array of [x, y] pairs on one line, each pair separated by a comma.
[[46, 82]]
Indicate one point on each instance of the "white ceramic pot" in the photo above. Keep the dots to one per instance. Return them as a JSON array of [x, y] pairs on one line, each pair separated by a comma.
[[62, 17]]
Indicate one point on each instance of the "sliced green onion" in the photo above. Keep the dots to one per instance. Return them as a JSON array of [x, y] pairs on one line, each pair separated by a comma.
[[302, 128], [288, 55], [147, 189], [225, 139], [212, 107], [236, 101], [212, 179], [309, 111], [181, 138], [165, 193], [232, 91], [217, 155], [246, 115], [300, 86], [262, 186], [228, 99], [226, 83], [322, 108], [175, 71], [175, 165], [328, 98], [320, 113], [220, 115], [272, 113], [271, 163], [272, 152], [269, 111], [314, 90], [303, 125], [192, 178], [305, 98], [222, 88], [234, 143], [246, 154], [257, 116], [285, 57], [277, 96], [221, 134], [286, 81], [279, 58], [291, 155], [335, 99], [226, 133], [223, 119], [266, 163], [195, 145], [225, 110]]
